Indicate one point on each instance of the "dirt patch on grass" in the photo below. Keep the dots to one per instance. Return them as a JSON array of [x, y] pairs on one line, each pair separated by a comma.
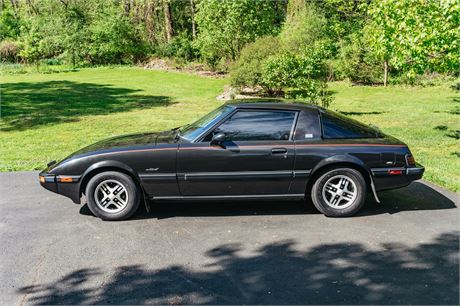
[[193, 68]]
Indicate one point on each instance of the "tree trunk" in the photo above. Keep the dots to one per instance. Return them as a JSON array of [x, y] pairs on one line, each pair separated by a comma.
[[150, 21], [192, 7], [15, 6], [168, 20], [385, 73], [126, 7]]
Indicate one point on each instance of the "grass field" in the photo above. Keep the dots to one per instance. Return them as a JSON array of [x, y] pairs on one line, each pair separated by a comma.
[[48, 116]]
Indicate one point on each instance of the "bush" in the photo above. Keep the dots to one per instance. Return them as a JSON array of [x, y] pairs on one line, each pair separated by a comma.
[[247, 71], [356, 63], [298, 76], [9, 51], [114, 42], [181, 47]]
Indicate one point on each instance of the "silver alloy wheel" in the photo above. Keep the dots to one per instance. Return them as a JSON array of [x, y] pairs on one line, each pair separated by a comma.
[[111, 196], [339, 192]]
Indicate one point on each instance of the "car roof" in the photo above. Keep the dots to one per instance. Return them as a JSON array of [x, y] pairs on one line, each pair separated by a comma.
[[272, 104]]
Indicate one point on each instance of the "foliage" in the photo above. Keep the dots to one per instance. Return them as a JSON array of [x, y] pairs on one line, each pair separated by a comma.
[[226, 26], [181, 47], [410, 38], [415, 36], [114, 41], [300, 77], [355, 62], [9, 24], [247, 71], [344, 17], [304, 26], [294, 65]]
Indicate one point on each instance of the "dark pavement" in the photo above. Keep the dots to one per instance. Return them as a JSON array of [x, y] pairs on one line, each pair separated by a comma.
[[404, 251]]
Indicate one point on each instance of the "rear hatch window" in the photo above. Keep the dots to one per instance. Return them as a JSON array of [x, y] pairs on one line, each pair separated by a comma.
[[336, 125]]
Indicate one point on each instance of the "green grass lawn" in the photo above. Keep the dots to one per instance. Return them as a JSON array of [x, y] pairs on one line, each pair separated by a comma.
[[48, 116]]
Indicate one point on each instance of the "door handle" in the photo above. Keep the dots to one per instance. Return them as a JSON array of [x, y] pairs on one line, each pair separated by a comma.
[[279, 150]]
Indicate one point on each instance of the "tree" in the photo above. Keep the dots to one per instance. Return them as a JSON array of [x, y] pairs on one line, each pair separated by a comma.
[[168, 20], [414, 37], [226, 26], [304, 26], [192, 12]]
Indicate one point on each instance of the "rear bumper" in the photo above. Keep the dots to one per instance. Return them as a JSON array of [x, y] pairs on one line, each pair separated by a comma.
[[392, 178], [68, 186]]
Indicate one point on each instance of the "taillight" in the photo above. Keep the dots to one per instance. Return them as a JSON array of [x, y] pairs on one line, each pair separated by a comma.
[[410, 160]]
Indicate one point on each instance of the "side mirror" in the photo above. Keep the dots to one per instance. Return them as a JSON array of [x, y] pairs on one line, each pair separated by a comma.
[[218, 139]]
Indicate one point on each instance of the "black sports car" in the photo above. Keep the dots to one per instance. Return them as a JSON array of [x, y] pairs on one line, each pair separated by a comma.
[[242, 150]]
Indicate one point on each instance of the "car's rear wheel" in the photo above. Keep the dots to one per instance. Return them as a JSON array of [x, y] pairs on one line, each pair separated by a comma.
[[112, 196], [339, 192]]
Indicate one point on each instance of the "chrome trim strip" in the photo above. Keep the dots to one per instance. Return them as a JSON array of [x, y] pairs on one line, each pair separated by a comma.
[[301, 173], [415, 170], [50, 179], [158, 176], [235, 175]]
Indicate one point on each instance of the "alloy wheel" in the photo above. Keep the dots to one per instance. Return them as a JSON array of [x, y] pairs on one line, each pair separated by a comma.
[[339, 192], [111, 196]]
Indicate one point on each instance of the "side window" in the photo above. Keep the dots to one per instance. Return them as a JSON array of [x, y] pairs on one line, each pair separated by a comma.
[[338, 126], [257, 125], [308, 126]]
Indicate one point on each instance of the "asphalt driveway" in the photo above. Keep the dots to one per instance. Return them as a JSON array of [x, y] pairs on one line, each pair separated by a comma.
[[404, 251]]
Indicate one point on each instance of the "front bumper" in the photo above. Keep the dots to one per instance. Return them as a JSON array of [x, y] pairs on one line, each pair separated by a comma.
[[66, 185], [392, 178]]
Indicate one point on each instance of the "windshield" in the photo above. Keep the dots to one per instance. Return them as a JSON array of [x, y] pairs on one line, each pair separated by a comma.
[[192, 131]]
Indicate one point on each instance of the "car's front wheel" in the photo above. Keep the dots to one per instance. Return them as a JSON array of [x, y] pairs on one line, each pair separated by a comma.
[[112, 196], [339, 192]]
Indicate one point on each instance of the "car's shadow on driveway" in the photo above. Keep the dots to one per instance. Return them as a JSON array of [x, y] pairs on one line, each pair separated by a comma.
[[417, 196]]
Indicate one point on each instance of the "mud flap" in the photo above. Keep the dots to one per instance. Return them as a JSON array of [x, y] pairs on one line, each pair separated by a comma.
[[146, 203], [373, 190]]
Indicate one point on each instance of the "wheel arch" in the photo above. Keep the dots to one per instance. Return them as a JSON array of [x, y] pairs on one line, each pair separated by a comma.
[[108, 166], [338, 161]]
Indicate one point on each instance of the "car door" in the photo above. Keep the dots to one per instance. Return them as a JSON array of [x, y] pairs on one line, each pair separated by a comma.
[[255, 158]]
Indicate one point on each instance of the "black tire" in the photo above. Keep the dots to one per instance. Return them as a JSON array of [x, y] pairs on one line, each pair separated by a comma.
[[130, 193], [322, 201]]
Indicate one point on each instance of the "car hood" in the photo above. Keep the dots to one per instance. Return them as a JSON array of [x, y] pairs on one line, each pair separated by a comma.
[[129, 141], [140, 140]]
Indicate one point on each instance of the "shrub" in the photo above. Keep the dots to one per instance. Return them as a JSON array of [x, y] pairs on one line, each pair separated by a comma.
[[9, 51], [356, 63], [181, 47], [298, 76], [247, 71], [115, 42]]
